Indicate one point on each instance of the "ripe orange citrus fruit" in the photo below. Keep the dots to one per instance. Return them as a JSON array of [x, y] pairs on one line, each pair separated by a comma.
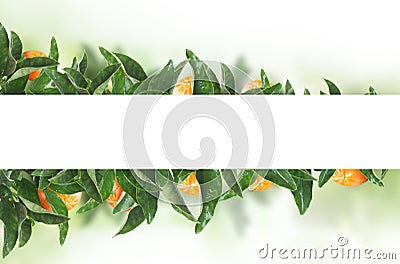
[[70, 200], [32, 54], [349, 177], [113, 199], [252, 85], [184, 87], [260, 184], [190, 185], [43, 201]]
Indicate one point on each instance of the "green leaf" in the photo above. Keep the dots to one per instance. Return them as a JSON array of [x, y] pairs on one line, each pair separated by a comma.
[[322, 93], [62, 82], [44, 183], [39, 214], [39, 84], [211, 187], [16, 46], [64, 176], [301, 174], [324, 176], [75, 64], [132, 68], [163, 81], [135, 218], [264, 80], [36, 62], [383, 173], [289, 88], [274, 89], [88, 182], [77, 77], [54, 54], [228, 79], [10, 219], [4, 48], [148, 202], [45, 173], [303, 194], [126, 184], [125, 203], [83, 64], [280, 177], [25, 232], [10, 66], [103, 77], [372, 177], [333, 89], [27, 190], [205, 80], [58, 207], [16, 86], [66, 188], [107, 183], [372, 91], [244, 183], [230, 179], [306, 91], [88, 206]]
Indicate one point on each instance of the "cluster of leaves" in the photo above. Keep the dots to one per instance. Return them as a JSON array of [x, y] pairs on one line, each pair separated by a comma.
[[20, 206]]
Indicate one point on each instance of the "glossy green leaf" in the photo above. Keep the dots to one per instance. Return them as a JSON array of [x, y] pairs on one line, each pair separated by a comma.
[[75, 64], [11, 65], [125, 203], [83, 64], [163, 81], [303, 194], [333, 89], [16, 86], [10, 220], [126, 184], [62, 82], [88, 206], [45, 173], [66, 188], [280, 177], [135, 218], [4, 48], [25, 232], [244, 183], [228, 79], [77, 77], [16, 46], [44, 183], [36, 62], [148, 202], [210, 194], [107, 183], [289, 88], [54, 54], [205, 80], [64, 176], [372, 177], [27, 190], [40, 83], [88, 182], [264, 80], [230, 178], [37, 213], [132, 68], [58, 207], [306, 91], [301, 174], [103, 77], [324, 176]]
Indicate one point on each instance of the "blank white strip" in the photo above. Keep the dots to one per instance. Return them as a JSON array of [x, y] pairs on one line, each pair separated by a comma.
[[311, 131]]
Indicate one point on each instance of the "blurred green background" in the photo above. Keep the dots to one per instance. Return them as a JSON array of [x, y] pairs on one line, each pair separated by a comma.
[[352, 43]]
